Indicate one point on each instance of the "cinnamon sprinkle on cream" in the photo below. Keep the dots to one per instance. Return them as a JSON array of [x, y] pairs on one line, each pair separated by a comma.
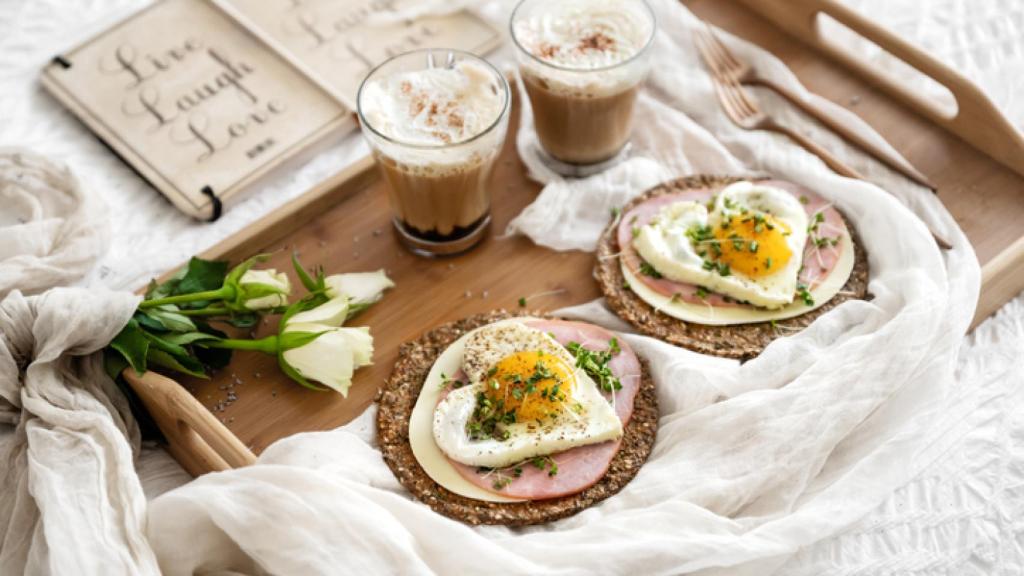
[[547, 50], [598, 42]]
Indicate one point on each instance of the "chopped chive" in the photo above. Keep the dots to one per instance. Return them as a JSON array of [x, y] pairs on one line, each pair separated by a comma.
[[647, 270], [805, 294]]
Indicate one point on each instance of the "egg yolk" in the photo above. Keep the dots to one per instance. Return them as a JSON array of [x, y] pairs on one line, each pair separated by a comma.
[[534, 384], [752, 244]]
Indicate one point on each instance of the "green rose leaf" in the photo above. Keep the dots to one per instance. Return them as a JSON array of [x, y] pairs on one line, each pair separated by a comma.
[[113, 363], [163, 290], [160, 343], [201, 276], [183, 364], [166, 318], [147, 322], [132, 344]]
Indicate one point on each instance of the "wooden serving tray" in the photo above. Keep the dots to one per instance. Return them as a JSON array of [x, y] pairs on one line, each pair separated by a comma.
[[344, 224]]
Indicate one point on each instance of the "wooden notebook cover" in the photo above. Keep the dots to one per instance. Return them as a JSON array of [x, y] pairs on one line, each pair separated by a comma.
[[193, 101]]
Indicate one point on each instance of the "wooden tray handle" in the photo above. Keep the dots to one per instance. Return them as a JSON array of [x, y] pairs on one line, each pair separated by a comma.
[[195, 437], [976, 119]]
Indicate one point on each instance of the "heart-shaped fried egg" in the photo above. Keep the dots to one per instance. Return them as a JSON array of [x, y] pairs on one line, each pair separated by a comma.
[[748, 246], [524, 397]]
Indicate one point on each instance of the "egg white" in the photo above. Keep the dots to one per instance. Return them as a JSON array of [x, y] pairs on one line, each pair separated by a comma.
[[595, 420], [664, 243]]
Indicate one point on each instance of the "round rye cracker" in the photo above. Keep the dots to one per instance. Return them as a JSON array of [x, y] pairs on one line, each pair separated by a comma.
[[741, 341], [398, 397]]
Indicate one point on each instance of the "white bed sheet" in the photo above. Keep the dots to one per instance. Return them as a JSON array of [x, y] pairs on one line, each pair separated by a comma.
[[963, 515]]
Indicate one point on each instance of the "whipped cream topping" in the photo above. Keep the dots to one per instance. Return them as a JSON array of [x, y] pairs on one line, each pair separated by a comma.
[[435, 106], [584, 34]]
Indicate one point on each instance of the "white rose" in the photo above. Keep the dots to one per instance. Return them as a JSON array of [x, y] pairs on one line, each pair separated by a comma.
[[268, 289], [332, 357], [360, 287]]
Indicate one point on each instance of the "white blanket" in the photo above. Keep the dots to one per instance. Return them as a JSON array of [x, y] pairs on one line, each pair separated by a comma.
[[806, 438]]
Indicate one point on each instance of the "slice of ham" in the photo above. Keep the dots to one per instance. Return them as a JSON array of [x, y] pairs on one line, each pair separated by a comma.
[[578, 468], [818, 263]]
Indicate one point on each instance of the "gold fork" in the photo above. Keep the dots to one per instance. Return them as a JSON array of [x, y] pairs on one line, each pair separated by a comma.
[[720, 59], [745, 113]]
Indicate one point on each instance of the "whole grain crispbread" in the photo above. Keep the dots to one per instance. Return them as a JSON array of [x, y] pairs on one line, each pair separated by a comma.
[[741, 341], [398, 397]]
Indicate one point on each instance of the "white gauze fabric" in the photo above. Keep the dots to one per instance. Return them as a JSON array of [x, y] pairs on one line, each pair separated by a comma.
[[49, 234], [70, 501], [752, 461]]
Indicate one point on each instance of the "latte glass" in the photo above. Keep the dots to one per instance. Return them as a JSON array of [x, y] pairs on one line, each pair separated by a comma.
[[582, 63], [439, 191]]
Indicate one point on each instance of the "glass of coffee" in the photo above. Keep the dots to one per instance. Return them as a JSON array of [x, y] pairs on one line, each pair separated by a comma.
[[582, 63], [436, 121]]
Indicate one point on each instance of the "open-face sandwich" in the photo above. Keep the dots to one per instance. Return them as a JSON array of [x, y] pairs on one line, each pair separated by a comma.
[[516, 420], [724, 266]]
